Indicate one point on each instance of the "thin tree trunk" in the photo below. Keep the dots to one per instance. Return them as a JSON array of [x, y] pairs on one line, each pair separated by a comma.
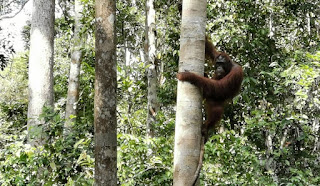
[[105, 121], [309, 24], [150, 50], [73, 87], [40, 67], [271, 28], [269, 162], [127, 55], [189, 99], [315, 129], [284, 138]]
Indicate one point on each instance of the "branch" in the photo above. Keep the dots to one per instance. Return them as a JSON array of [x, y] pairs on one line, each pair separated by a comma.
[[11, 16]]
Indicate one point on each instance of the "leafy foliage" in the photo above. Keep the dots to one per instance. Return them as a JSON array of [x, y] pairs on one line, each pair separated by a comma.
[[63, 160], [145, 161], [231, 160]]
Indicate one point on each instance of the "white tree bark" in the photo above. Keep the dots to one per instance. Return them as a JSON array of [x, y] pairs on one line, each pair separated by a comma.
[[105, 100], [308, 23], [315, 129], [271, 28], [270, 164], [40, 67], [189, 98], [150, 50], [75, 66]]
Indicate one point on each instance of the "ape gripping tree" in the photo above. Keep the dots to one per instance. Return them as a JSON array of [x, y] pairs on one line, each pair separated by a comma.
[[217, 91], [189, 99], [223, 86]]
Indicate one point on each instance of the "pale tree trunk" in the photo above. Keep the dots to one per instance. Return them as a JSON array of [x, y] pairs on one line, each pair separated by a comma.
[[40, 67], [128, 60], [150, 50], [105, 100], [127, 55], [284, 138], [73, 87], [270, 164], [315, 129], [308, 24], [142, 55], [189, 99], [271, 28]]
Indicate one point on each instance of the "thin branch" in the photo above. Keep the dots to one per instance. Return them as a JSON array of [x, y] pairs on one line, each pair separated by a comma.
[[11, 16]]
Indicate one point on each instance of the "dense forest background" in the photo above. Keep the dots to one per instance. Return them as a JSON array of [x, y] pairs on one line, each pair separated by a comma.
[[269, 134]]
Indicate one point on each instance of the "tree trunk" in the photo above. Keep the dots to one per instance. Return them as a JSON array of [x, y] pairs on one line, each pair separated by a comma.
[[270, 164], [315, 129], [271, 28], [40, 67], [105, 121], [127, 55], [150, 50], [73, 87], [189, 99]]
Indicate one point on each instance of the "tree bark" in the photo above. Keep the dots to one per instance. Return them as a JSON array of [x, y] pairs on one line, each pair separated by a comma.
[[150, 50], [189, 98], [40, 67], [75, 66], [270, 164], [271, 28], [315, 129], [105, 121]]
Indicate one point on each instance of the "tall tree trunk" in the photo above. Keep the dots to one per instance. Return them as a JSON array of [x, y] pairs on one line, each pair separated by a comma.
[[315, 129], [189, 99], [127, 55], [40, 67], [270, 164], [105, 99], [271, 28], [73, 87], [308, 24], [150, 50]]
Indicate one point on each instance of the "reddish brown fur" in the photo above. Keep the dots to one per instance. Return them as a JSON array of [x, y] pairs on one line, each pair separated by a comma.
[[216, 91], [211, 52]]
